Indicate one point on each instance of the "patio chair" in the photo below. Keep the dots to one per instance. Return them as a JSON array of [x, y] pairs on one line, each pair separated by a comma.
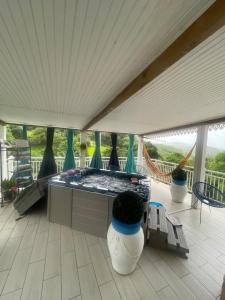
[[209, 195]]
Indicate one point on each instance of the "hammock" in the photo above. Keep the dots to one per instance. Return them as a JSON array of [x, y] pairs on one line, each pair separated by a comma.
[[155, 169]]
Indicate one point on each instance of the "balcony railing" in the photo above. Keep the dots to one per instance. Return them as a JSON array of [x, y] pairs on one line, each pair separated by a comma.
[[212, 177], [36, 163]]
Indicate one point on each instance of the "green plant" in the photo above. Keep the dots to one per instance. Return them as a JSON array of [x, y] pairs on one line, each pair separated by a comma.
[[83, 146], [152, 150], [179, 174], [7, 184]]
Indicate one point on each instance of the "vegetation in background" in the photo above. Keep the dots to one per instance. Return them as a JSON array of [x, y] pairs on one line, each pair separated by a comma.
[[216, 163], [152, 150], [174, 154], [174, 157], [37, 138], [7, 184]]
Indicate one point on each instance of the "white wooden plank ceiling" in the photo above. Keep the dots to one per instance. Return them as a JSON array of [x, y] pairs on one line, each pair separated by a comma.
[[62, 61], [190, 91]]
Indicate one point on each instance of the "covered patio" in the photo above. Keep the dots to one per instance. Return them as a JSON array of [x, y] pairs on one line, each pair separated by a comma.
[[141, 68]]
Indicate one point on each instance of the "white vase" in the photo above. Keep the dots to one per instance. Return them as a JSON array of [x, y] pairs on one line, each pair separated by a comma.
[[178, 192], [125, 250]]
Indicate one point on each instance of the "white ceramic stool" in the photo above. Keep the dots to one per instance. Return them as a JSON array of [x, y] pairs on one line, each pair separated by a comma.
[[125, 249], [178, 191]]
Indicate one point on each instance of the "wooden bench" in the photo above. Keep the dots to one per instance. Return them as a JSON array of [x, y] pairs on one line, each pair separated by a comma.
[[176, 240], [161, 233], [157, 230]]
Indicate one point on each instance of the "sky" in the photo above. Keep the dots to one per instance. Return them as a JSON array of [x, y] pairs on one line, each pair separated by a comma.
[[216, 139]]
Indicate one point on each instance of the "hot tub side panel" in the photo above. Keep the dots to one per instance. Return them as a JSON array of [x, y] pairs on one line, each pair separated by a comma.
[[60, 205], [90, 212], [85, 211]]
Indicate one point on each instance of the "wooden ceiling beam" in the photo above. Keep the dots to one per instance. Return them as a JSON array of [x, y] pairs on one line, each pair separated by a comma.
[[207, 24]]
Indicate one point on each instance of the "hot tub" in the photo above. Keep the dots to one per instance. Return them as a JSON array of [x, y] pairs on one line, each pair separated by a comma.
[[84, 201]]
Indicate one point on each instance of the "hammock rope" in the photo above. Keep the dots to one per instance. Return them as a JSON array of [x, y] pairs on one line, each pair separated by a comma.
[[155, 169]]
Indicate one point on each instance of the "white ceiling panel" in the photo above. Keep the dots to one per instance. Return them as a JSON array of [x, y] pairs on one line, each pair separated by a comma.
[[192, 90], [62, 61]]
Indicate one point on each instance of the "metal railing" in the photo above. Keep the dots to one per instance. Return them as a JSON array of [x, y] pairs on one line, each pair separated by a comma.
[[36, 163], [212, 177], [167, 167]]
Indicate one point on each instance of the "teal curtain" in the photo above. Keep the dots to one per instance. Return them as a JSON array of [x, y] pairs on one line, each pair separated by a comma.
[[69, 162], [96, 161], [113, 161], [130, 164], [48, 165], [24, 132]]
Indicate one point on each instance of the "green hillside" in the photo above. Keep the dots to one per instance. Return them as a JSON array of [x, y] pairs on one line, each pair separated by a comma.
[[164, 149]]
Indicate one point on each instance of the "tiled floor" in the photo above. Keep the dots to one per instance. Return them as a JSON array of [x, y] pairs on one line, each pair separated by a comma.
[[42, 260]]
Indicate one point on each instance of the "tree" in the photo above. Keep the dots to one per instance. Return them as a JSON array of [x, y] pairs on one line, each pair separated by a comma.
[[152, 150], [37, 136], [122, 142], [59, 142], [106, 143], [220, 162], [13, 132], [106, 139], [216, 163], [210, 163], [175, 157]]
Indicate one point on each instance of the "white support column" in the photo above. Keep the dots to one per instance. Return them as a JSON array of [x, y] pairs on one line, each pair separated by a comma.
[[140, 151], [3, 154], [200, 157], [83, 152]]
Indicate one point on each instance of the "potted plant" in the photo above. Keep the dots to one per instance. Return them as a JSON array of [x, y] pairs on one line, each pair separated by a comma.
[[178, 187], [8, 188]]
